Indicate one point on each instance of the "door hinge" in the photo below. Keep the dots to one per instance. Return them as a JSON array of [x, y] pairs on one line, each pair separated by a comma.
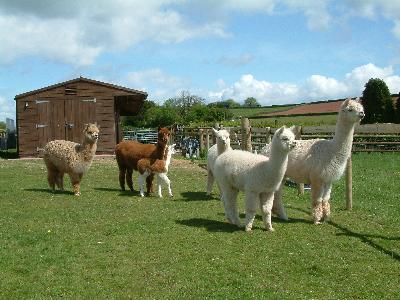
[[41, 101], [89, 100], [41, 126], [39, 149]]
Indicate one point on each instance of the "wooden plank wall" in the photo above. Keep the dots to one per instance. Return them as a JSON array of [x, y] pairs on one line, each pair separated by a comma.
[[31, 137]]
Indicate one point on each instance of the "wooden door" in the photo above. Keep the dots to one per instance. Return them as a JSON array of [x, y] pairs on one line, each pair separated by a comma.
[[79, 111], [50, 124]]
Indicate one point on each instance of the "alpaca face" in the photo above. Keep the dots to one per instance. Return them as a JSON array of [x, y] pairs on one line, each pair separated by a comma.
[[285, 138], [353, 110], [91, 132], [223, 137], [163, 135]]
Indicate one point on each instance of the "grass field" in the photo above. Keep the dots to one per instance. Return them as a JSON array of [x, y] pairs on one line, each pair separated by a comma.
[[109, 244]]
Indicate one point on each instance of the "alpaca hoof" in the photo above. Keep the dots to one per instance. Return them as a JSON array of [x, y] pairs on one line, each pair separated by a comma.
[[271, 229], [77, 194], [283, 217], [141, 194], [317, 223], [171, 196], [248, 229]]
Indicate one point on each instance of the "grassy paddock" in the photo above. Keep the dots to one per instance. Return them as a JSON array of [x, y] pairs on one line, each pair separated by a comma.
[[109, 244]]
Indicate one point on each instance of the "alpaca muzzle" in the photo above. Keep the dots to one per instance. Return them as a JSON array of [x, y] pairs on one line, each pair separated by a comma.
[[361, 114]]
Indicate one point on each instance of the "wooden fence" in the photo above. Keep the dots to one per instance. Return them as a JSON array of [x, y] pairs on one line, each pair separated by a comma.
[[367, 138]]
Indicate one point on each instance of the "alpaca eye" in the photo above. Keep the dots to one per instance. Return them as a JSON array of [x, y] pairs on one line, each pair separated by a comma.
[[350, 109]]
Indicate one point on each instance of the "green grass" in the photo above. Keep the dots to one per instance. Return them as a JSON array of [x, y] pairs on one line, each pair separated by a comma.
[[295, 120], [109, 244]]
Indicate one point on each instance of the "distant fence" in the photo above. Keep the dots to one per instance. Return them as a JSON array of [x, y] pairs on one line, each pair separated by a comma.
[[367, 138]]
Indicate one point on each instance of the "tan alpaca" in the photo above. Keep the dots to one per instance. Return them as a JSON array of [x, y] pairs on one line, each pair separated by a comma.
[[72, 158]]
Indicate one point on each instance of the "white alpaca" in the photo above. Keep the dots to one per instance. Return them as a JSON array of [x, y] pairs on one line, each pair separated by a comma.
[[159, 167], [223, 144], [321, 162], [256, 175]]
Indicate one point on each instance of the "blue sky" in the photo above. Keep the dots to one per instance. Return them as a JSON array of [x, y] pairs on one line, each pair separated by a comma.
[[279, 52]]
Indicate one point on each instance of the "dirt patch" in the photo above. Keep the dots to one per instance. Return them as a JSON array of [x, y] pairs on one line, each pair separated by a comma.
[[187, 164]]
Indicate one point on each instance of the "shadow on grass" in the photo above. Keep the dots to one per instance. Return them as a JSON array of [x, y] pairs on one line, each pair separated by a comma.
[[209, 225], [367, 239], [197, 196], [65, 192]]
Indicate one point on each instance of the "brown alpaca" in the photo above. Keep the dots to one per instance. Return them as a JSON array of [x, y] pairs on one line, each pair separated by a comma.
[[128, 153], [72, 158]]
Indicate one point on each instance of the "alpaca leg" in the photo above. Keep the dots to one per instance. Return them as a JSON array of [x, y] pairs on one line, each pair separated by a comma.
[[251, 201], [326, 207], [122, 171], [278, 207], [141, 179], [266, 203], [129, 180], [162, 177], [229, 197], [316, 195], [75, 183], [60, 181], [52, 178], [210, 182], [149, 184]]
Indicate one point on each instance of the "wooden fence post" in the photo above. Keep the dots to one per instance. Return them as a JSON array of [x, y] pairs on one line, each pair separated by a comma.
[[246, 135], [349, 184], [268, 135], [297, 134], [201, 139], [208, 139]]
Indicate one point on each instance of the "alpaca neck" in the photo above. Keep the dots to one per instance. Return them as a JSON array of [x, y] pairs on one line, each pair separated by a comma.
[[222, 148], [162, 151], [88, 150], [277, 162], [343, 138]]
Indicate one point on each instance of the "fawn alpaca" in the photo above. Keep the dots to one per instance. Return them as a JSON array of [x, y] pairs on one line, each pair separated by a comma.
[[72, 158]]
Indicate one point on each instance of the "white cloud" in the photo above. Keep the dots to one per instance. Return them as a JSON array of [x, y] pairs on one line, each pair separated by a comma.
[[315, 87], [7, 109], [159, 84], [76, 32]]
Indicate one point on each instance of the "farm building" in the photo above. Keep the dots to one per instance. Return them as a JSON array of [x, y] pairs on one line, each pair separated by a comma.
[[60, 111]]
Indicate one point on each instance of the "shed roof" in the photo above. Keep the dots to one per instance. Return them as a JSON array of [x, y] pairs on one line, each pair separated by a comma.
[[110, 85]]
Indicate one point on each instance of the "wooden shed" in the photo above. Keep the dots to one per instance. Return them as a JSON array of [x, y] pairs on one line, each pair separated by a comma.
[[60, 111]]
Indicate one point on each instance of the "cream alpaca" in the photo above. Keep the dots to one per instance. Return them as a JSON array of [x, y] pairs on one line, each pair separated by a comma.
[[72, 158], [146, 166], [256, 175], [321, 162], [223, 144]]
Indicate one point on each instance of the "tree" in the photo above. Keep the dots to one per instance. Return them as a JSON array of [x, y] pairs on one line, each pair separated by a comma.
[[377, 102], [184, 102], [398, 110], [2, 125], [251, 102]]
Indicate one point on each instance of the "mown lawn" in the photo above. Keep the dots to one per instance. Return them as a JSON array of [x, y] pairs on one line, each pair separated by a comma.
[[109, 244]]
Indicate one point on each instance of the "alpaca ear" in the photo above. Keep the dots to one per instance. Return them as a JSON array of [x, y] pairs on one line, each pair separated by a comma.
[[345, 102], [280, 130], [159, 128], [358, 100], [215, 131]]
